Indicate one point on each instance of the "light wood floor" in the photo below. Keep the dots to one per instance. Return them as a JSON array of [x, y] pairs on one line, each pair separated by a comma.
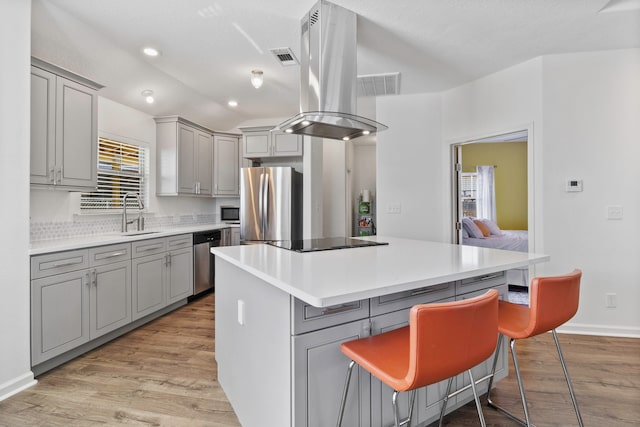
[[164, 374]]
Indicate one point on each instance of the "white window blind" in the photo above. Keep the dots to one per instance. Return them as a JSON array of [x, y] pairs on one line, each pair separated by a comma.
[[121, 169]]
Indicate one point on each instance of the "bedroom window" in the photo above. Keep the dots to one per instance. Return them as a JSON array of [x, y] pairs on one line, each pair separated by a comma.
[[122, 168], [469, 191]]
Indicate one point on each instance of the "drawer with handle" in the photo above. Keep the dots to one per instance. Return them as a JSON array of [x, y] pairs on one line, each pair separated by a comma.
[[486, 281], [103, 255], [148, 247], [58, 263], [401, 300], [179, 242], [306, 318]]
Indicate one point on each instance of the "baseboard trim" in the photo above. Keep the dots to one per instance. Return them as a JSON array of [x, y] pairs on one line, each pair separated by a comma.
[[17, 385], [606, 331]]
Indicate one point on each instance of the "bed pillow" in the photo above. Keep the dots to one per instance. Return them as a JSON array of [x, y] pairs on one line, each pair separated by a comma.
[[483, 228], [465, 233], [472, 228], [493, 227]]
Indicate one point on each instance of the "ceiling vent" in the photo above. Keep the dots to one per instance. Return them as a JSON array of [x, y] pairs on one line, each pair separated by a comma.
[[379, 84], [285, 56]]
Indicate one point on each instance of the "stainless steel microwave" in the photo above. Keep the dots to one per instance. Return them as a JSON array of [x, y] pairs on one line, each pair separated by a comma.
[[229, 214]]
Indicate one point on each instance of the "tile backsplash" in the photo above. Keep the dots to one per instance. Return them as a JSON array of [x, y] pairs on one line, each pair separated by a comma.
[[89, 225]]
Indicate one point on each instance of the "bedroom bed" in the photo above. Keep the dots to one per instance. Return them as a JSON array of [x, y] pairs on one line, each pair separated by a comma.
[[485, 233]]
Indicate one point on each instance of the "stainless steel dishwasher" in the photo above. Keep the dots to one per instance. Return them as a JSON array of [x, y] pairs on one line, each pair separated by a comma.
[[203, 260]]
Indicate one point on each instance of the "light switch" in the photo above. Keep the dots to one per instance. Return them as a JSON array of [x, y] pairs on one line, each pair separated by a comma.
[[394, 208], [614, 212]]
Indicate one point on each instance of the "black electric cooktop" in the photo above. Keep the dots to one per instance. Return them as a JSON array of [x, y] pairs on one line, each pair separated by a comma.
[[325, 244]]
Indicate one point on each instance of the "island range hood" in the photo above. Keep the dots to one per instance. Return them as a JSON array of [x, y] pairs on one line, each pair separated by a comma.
[[328, 74]]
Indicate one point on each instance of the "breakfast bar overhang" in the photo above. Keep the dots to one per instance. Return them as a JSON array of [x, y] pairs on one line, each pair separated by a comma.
[[280, 317]]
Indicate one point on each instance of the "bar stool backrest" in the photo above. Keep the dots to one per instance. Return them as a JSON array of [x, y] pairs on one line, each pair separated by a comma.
[[553, 301], [449, 338]]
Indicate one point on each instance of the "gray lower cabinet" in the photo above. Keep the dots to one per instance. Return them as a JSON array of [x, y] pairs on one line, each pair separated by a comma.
[[319, 371], [110, 298], [80, 295], [69, 309], [161, 277], [148, 284], [59, 314], [179, 275]]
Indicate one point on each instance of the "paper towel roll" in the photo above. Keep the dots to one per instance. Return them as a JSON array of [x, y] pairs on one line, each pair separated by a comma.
[[366, 196]]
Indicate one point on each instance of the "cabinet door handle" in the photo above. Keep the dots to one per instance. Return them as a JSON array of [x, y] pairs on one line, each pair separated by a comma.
[[421, 291], [150, 248], [94, 274], [59, 174], [86, 276], [491, 276], [177, 245], [115, 254], [52, 175], [339, 309], [66, 263]]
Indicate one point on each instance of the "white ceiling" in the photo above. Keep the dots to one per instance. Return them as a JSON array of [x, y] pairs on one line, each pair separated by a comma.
[[209, 47]]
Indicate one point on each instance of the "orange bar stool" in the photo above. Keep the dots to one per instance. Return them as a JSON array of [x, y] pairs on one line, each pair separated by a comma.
[[552, 302], [441, 341]]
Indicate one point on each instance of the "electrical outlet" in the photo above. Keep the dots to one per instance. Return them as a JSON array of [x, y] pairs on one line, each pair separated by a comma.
[[612, 300], [614, 212]]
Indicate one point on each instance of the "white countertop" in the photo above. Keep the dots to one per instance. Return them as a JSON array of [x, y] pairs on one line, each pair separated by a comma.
[[48, 246], [340, 276]]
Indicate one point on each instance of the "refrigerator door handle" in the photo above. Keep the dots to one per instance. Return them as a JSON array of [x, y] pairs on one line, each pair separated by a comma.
[[265, 206], [260, 205]]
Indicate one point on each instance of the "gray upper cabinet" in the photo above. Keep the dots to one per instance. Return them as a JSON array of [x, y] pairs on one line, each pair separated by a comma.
[[226, 178], [261, 142], [184, 158], [64, 127]]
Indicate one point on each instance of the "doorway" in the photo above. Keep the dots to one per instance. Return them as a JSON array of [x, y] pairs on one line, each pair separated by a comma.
[[499, 163]]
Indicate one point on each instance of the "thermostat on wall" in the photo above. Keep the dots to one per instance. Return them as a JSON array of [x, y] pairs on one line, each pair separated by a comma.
[[574, 185]]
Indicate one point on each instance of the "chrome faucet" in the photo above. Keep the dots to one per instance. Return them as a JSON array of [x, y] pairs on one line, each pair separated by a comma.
[[139, 220]]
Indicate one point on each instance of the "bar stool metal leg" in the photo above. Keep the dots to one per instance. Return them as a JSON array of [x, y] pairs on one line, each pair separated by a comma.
[[444, 401], [477, 399], [396, 415], [566, 376], [344, 393], [526, 422]]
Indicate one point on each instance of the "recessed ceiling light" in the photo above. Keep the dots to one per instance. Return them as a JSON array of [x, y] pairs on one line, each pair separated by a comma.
[[305, 123], [289, 130], [365, 132], [346, 138], [151, 51], [232, 103]]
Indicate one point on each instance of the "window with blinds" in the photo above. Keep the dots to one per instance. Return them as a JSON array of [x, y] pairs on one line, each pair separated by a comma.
[[121, 169], [468, 191]]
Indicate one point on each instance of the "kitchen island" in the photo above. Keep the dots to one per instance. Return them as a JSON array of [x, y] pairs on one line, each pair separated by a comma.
[[280, 317]]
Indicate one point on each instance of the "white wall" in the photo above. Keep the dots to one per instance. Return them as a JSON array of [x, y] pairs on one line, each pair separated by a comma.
[[582, 112], [15, 366], [410, 167], [591, 105]]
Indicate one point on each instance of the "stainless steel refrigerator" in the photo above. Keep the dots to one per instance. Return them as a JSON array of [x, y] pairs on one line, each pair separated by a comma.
[[270, 204]]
